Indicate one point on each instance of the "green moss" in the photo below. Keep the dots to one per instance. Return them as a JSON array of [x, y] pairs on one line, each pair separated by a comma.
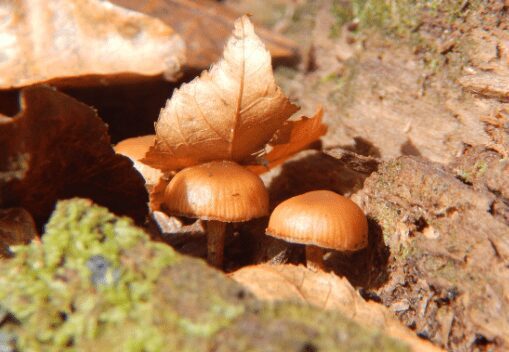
[[445, 268], [390, 173], [403, 19], [387, 217], [331, 77], [345, 89], [97, 283], [400, 17], [470, 174], [48, 287], [480, 167], [406, 251], [465, 176]]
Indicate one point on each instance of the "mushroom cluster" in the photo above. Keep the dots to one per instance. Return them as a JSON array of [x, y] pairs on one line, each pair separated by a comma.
[[233, 114], [222, 192]]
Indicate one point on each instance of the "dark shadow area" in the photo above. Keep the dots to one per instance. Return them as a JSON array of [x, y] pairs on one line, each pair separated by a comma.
[[363, 147], [313, 171], [9, 102], [292, 61], [245, 242], [408, 148], [366, 268], [129, 109], [250, 245]]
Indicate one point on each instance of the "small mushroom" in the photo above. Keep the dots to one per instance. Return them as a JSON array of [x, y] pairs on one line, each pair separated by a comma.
[[219, 192], [320, 219], [135, 149]]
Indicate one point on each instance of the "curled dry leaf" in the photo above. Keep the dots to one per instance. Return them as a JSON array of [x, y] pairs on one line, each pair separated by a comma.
[[327, 291], [16, 227], [228, 113], [291, 138], [57, 147], [63, 39], [156, 194], [205, 26]]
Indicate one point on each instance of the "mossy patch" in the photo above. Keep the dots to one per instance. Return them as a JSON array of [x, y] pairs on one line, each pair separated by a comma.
[[60, 299], [400, 17], [471, 174], [412, 22], [97, 283]]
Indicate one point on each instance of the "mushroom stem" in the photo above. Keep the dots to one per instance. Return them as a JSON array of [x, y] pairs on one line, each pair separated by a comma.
[[314, 258], [215, 242]]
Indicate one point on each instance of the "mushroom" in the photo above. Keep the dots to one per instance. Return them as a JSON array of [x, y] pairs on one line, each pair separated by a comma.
[[320, 219], [219, 192], [135, 149]]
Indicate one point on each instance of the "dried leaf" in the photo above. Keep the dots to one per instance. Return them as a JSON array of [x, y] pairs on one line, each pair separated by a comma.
[[291, 138], [57, 147], [327, 291], [16, 227], [228, 113], [156, 195], [205, 26], [66, 39]]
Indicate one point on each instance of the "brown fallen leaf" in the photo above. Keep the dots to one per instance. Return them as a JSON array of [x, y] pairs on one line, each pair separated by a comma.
[[67, 39], [16, 227], [205, 25], [291, 138], [57, 147], [155, 180], [228, 113], [327, 291], [156, 194]]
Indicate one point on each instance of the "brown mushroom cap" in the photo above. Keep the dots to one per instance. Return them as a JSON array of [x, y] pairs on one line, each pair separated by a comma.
[[135, 149], [218, 190], [320, 218]]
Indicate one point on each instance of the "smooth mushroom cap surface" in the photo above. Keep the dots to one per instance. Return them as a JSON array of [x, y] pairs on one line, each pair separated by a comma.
[[135, 149], [321, 218], [218, 190]]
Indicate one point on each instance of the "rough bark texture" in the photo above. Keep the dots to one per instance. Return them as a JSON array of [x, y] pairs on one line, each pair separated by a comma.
[[449, 250], [430, 83], [402, 81]]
